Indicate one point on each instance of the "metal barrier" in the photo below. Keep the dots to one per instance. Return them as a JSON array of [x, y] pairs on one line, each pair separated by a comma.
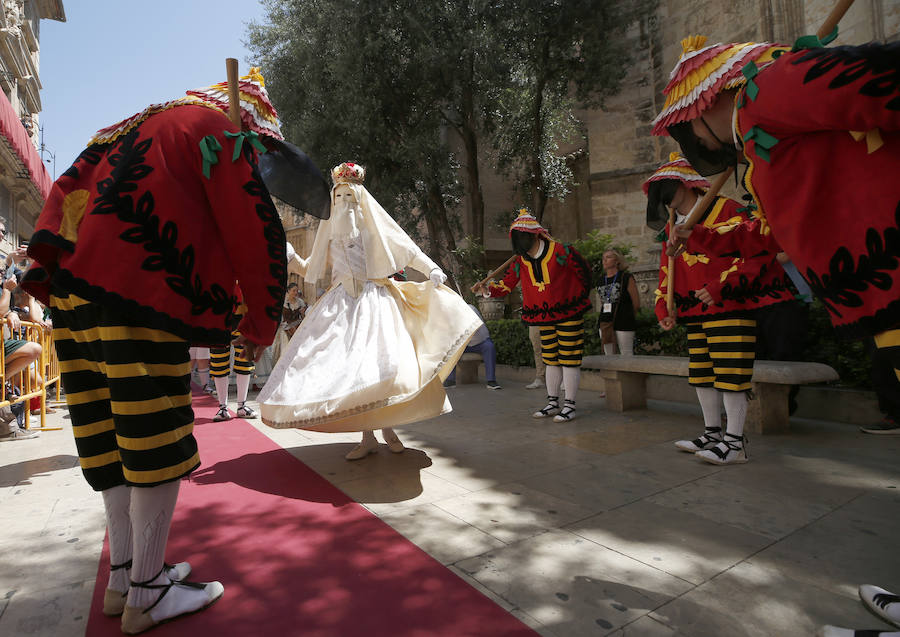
[[33, 380]]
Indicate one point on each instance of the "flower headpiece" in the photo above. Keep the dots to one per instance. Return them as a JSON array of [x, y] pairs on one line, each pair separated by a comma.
[[677, 169], [348, 173], [704, 72]]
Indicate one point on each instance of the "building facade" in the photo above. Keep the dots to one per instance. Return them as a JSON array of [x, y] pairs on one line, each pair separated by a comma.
[[620, 153], [24, 180]]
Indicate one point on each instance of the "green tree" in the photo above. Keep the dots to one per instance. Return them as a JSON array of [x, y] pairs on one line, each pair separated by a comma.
[[559, 53]]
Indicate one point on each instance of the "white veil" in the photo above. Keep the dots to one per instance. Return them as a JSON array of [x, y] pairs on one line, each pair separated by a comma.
[[388, 248]]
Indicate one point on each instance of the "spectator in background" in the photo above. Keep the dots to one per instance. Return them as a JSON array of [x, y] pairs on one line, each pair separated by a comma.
[[480, 343], [200, 362], [540, 369], [19, 354], [619, 303], [16, 261], [28, 309], [294, 310]]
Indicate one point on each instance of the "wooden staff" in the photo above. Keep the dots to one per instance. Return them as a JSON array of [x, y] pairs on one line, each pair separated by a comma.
[[234, 97], [670, 289], [833, 18], [502, 268], [700, 208]]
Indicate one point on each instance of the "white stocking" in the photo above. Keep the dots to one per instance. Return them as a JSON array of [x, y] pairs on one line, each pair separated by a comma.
[[710, 403], [626, 343], [571, 377], [735, 411], [151, 516], [554, 378], [609, 349], [203, 375], [117, 502], [243, 384], [222, 389]]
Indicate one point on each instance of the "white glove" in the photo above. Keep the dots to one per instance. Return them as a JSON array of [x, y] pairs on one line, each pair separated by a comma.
[[437, 277]]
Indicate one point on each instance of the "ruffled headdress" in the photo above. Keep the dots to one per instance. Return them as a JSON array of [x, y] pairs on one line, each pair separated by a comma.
[[257, 112], [526, 222], [705, 71]]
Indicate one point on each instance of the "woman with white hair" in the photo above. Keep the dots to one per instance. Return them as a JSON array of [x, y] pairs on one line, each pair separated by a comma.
[[372, 352], [619, 303]]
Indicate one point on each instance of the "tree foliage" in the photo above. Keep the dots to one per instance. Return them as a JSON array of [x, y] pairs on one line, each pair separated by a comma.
[[413, 89]]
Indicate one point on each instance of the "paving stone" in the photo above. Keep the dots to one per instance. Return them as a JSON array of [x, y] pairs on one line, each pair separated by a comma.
[[571, 585], [845, 548], [440, 534], [742, 506], [49, 612], [512, 512], [688, 546], [384, 494], [747, 601]]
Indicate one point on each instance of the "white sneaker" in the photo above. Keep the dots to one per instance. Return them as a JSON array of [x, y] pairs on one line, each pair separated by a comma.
[[883, 603], [537, 383], [732, 450], [177, 600], [710, 438]]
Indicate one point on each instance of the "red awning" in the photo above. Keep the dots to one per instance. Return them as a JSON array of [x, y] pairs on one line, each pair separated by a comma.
[[13, 134]]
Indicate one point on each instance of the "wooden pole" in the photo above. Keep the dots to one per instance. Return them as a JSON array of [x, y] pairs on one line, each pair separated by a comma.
[[234, 99], [707, 199], [502, 268], [670, 288], [833, 18]]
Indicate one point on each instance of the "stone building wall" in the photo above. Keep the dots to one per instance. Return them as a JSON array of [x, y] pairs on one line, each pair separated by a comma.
[[623, 153]]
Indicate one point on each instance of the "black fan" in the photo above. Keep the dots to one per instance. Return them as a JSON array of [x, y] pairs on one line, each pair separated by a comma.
[[292, 177]]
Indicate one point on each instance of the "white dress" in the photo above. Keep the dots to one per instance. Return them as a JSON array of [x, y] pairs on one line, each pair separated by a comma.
[[370, 353]]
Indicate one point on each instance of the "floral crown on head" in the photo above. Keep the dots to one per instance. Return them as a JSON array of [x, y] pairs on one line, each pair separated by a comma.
[[348, 173]]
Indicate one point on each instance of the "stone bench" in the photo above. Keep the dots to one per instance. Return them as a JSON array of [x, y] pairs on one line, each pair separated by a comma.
[[467, 368], [625, 378]]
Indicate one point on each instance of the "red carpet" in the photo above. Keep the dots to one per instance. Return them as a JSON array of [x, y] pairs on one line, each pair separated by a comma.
[[297, 557]]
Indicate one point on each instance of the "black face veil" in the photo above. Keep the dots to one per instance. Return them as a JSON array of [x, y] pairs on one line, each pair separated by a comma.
[[706, 162], [659, 196], [521, 242], [291, 176]]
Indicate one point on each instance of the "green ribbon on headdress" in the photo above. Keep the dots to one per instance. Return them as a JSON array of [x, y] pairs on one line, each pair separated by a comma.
[[209, 148], [813, 41], [764, 141], [750, 71], [239, 142]]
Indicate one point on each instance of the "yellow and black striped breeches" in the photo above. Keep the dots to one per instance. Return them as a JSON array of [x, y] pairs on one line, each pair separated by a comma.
[[128, 391], [220, 360], [888, 344], [563, 343], [722, 352]]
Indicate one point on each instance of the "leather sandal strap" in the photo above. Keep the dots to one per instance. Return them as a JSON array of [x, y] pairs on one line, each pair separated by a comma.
[[116, 567]]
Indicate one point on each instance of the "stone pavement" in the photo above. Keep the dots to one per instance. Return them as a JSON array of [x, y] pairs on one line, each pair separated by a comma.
[[592, 527]]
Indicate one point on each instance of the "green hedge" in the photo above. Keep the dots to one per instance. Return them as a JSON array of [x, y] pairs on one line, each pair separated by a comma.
[[849, 358]]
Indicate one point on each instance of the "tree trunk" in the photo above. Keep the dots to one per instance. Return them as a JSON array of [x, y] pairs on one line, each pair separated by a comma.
[[470, 143], [538, 191]]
